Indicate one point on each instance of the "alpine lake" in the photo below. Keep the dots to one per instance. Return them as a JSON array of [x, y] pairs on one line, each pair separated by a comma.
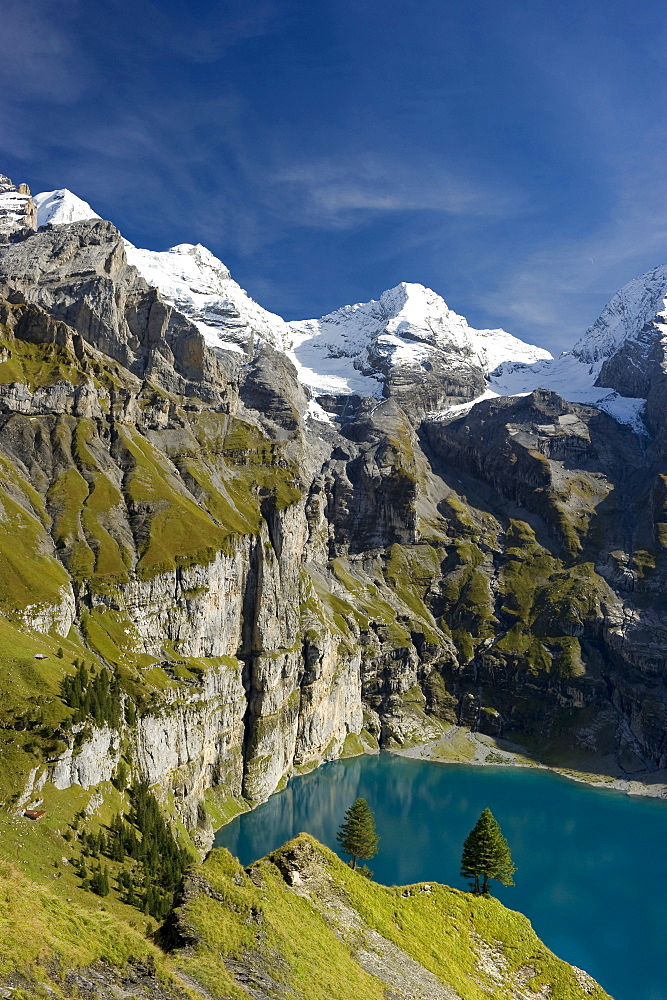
[[591, 870]]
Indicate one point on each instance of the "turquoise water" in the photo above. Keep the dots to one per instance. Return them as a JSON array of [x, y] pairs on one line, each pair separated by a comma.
[[591, 863]]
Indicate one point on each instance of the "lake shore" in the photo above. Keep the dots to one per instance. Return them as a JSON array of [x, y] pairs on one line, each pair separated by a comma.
[[458, 745]]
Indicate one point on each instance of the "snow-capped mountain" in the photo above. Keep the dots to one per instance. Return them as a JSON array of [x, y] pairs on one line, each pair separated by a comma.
[[57, 208], [407, 336], [352, 350], [192, 279], [347, 351], [408, 326], [625, 315], [582, 375]]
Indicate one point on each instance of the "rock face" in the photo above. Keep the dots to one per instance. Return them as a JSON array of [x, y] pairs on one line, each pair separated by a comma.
[[274, 579], [18, 213], [95, 762]]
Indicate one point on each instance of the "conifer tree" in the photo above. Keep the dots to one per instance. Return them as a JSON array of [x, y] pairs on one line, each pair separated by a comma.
[[357, 836], [486, 855], [119, 780], [99, 882]]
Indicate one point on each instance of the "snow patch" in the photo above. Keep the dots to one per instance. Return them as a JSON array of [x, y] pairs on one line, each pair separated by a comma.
[[12, 210], [316, 412], [13, 202], [460, 409], [330, 367], [212, 337], [568, 376], [574, 380]]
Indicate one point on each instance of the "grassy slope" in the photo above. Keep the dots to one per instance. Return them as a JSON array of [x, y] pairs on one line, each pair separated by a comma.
[[48, 924], [258, 918]]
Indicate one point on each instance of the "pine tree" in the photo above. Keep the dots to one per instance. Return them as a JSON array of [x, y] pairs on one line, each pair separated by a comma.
[[357, 836], [99, 882], [120, 778], [486, 855]]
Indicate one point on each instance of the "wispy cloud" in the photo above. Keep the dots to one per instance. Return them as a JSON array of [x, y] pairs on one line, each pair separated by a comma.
[[196, 36], [337, 192], [39, 55], [224, 188], [555, 293]]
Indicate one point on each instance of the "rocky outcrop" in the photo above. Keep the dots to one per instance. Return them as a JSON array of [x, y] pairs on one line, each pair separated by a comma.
[[56, 617], [335, 937], [18, 212], [94, 760]]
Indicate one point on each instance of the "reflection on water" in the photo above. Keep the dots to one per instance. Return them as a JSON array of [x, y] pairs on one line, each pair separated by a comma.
[[584, 855]]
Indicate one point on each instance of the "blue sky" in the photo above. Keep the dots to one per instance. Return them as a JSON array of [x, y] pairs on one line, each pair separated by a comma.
[[507, 153]]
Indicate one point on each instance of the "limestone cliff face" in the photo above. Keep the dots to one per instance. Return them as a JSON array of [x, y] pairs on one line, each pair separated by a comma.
[[271, 589], [95, 761]]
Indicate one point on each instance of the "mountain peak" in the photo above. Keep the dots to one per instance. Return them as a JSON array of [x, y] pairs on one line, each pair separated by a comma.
[[61, 207], [196, 282], [625, 315], [201, 265], [362, 348], [397, 297]]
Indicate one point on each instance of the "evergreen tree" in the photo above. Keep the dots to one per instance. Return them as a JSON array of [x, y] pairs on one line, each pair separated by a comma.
[[486, 855], [357, 836], [120, 778], [95, 696], [99, 882], [126, 883]]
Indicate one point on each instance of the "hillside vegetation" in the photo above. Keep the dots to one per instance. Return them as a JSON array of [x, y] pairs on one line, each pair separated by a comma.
[[299, 923]]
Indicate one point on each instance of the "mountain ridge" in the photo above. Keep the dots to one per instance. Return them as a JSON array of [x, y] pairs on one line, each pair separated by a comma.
[[356, 348]]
